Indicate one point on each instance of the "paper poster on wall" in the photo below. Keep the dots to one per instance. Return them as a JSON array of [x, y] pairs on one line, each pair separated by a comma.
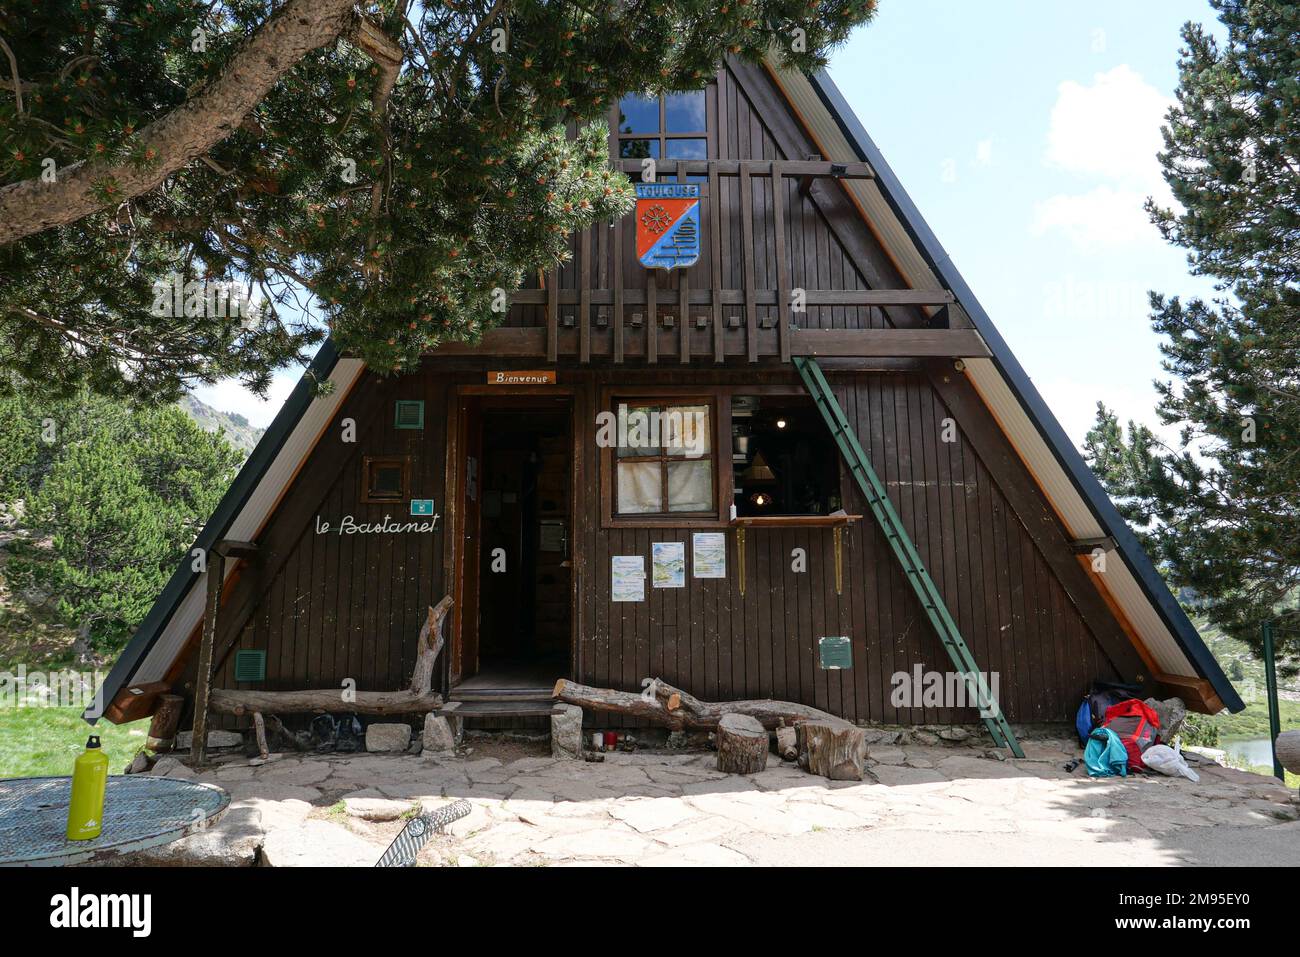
[[668, 564], [629, 578], [709, 555]]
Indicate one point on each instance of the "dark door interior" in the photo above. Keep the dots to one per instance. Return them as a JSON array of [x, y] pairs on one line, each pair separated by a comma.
[[524, 566]]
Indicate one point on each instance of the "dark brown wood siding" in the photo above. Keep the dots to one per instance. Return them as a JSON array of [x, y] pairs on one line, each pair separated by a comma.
[[350, 606], [818, 259]]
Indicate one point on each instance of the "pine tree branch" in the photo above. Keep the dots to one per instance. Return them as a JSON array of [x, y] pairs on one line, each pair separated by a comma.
[[186, 133]]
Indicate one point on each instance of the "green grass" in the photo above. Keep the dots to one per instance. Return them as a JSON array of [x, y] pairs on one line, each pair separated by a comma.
[[1253, 722], [44, 741]]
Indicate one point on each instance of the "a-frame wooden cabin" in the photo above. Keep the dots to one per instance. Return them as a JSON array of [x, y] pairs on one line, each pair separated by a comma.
[[1044, 582]]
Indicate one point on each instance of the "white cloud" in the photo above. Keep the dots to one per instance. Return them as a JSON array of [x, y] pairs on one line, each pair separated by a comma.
[[229, 395], [1108, 129], [1099, 218]]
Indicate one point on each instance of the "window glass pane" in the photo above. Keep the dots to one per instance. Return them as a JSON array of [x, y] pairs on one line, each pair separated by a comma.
[[684, 112], [640, 487], [638, 431], [685, 430], [640, 114], [688, 149], [389, 480], [690, 486], [638, 149]]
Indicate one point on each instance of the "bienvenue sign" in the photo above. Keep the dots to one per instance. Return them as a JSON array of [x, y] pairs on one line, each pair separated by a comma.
[[350, 526]]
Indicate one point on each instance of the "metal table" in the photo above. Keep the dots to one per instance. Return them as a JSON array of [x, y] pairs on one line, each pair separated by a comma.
[[140, 811]]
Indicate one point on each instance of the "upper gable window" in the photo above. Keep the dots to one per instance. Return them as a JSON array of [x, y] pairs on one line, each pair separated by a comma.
[[671, 126]]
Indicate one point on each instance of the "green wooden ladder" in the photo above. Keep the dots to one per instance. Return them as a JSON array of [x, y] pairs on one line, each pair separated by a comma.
[[914, 569]]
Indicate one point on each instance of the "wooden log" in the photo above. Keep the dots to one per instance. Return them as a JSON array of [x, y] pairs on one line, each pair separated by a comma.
[[742, 744], [697, 714], [428, 645], [166, 719], [620, 702], [323, 701], [787, 745], [259, 729], [416, 699], [678, 710], [834, 749], [1287, 748]]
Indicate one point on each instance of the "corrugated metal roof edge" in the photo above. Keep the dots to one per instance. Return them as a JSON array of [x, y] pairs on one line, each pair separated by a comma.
[[1069, 458], [261, 458]]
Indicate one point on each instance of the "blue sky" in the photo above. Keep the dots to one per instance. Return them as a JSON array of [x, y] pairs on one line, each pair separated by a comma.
[[1026, 134]]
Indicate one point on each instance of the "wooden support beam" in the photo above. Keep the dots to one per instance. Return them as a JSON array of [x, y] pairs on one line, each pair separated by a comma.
[[618, 289], [553, 315], [715, 264], [1086, 546], [763, 297], [747, 261], [831, 343], [902, 343], [652, 317], [233, 549], [783, 312], [216, 576], [811, 169], [584, 299]]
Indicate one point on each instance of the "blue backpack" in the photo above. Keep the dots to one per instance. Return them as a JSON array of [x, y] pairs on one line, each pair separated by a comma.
[[1105, 755], [1083, 721]]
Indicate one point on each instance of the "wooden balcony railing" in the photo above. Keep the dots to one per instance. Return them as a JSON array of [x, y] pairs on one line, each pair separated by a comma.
[[628, 314]]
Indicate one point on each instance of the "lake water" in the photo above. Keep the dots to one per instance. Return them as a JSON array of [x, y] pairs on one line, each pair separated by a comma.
[[1253, 751]]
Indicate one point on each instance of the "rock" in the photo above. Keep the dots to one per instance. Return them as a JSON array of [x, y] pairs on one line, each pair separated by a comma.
[[881, 736], [170, 768], [438, 733], [216, 739], [375, 808], [923, 737], [954, 734], [887, 755], [566, 732], [231, 842], [139, 764], [416, 746], [653, 814], [315, 843], [1171, 712], [387, 738]]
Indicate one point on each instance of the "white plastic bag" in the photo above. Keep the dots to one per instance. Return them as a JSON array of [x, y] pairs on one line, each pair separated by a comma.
[[1162, 758]]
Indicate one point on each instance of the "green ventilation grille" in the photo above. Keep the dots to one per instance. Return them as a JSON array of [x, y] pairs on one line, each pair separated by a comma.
[[250, 665], [409, 414]]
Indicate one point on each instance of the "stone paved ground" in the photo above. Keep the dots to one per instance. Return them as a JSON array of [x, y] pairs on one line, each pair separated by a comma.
[[919, 805]]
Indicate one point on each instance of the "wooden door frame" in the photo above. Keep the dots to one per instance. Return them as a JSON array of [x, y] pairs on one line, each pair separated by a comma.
[[486, 397]]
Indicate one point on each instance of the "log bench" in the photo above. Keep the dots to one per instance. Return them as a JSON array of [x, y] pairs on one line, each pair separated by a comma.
[[417, 698]]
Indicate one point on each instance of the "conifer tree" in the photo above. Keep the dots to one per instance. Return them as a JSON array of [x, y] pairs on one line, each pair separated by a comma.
[[392, 169], [1222, 509]]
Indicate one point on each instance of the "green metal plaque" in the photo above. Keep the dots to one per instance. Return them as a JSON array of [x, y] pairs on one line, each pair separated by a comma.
[[836, 652]]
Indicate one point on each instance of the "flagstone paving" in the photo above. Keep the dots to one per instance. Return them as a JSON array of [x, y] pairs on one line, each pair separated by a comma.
[[918, 805]]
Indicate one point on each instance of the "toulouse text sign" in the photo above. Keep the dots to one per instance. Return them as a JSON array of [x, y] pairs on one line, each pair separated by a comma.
[[667, 224]]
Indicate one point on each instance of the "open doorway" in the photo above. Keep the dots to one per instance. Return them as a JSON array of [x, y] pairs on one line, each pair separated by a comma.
[[516, 636]]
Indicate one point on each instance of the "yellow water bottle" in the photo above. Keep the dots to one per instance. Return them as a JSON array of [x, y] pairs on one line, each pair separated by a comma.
[[89, 778]]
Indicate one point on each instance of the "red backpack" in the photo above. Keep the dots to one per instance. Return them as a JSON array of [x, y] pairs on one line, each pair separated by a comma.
[[1137, 727]]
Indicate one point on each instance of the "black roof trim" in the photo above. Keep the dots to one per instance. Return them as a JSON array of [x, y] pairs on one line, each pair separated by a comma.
[[232, 503], [1069, 458]]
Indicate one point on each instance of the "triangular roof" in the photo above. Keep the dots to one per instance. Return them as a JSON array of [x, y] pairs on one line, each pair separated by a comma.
[[1134, 589]]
